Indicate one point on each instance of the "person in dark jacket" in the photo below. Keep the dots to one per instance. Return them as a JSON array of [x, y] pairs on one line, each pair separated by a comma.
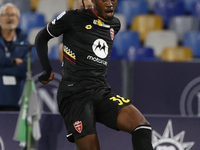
[[13, 59]]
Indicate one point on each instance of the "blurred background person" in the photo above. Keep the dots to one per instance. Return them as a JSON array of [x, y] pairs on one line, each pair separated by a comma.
[[77, 5], [13, 59]]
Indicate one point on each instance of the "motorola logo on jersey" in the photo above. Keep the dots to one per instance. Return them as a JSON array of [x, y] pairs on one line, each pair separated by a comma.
[[100, 48]]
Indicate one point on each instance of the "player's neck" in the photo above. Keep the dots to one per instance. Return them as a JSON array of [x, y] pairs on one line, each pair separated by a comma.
[[96, 14]]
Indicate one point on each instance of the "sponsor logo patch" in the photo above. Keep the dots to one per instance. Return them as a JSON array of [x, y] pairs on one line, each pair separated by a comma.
[[60, 15], [95, 59], [100, 23], [78, 126], [100, 48], [88, 27]]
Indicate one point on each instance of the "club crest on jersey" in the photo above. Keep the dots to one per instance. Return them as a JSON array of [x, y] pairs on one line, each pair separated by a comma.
[[112, 33], [78, 126]]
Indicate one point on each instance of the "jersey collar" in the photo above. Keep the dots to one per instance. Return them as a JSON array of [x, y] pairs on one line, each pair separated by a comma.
[[97, 15]]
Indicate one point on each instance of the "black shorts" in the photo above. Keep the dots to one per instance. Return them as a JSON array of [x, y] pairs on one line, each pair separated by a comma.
[[82, 110]]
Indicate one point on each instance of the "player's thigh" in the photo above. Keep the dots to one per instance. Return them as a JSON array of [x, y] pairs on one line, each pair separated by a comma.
[[88, 142], [78, 113], [108, 109], [129, 117]]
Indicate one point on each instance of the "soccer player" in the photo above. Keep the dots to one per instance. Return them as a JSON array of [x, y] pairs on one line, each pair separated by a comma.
[[84, 97]]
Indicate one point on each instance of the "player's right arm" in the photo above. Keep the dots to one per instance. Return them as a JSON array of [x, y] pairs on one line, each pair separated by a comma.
[[53, 29], [41, 43]]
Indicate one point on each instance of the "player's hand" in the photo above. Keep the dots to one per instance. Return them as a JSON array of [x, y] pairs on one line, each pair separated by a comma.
[[46, 77]]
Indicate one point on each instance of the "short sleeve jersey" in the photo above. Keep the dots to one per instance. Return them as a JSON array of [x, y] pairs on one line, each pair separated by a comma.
[[87, 41]]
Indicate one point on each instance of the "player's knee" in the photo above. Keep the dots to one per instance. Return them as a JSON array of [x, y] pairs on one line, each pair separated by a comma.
[[142, 122], [145, 123], [143, 127]]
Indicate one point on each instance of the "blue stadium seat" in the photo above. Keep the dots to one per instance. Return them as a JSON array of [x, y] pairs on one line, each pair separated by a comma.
[[151, 5], [123, 41], [196, 10], [131, 8], [113, 55], [118, 8], [140, 54], [160, 39], [188, 5], [192, 40], [31, 20], [183, 24], [168, 9]]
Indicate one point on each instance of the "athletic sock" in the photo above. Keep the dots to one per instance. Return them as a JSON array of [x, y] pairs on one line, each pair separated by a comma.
[[141, 138]]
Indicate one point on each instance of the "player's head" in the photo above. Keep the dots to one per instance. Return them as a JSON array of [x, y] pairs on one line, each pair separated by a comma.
[[105, 8], [79, 4], [9, 16]]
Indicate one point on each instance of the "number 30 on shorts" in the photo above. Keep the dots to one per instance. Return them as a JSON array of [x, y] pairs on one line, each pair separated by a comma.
[[120, 99]]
